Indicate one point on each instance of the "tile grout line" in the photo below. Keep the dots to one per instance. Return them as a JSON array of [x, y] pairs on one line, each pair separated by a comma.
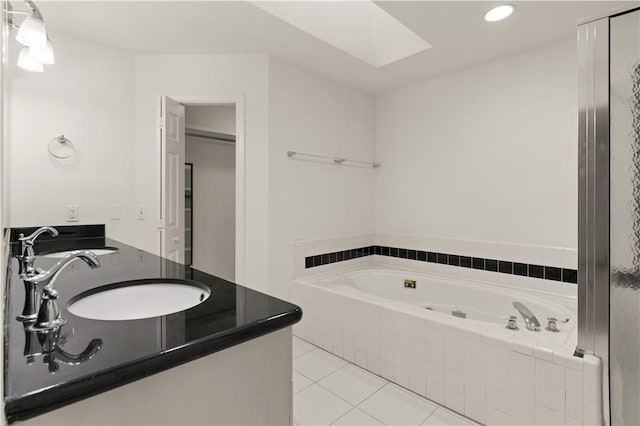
[[430, 414], [326, 375], [299, 355], [300, 390], [354, 405], [455, 413], [308, 378], [361, 402], [352, 408], [337, 396]]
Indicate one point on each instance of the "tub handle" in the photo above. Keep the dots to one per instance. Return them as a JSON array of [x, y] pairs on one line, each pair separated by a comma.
[[512, 322], [552, 325]]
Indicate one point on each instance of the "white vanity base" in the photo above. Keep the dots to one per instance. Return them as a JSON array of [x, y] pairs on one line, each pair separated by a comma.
[[248, 384]]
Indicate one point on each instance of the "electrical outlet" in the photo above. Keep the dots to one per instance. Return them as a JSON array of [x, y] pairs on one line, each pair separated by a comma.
[[142, 257], [73, 213], [141, 212]]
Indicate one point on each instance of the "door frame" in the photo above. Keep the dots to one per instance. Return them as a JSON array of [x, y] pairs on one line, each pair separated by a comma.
[[240, 231]]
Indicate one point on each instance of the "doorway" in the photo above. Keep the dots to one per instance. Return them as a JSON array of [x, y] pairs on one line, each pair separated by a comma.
[[202, 221], [210, 196]]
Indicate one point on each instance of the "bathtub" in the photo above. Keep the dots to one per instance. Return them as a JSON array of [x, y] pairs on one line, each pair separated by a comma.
[[465, 304], [447, 340]]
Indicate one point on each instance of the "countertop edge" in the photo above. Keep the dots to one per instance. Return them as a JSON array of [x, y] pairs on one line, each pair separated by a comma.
[[67, 393]]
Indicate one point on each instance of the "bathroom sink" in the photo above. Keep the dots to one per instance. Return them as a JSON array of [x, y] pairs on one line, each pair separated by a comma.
[[138, 299], [97, 251]]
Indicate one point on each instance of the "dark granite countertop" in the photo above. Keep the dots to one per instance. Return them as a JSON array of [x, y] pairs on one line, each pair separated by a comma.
[[124, 350]]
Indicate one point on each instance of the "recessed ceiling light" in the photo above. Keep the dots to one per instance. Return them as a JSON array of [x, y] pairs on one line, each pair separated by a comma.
[[498, 13]]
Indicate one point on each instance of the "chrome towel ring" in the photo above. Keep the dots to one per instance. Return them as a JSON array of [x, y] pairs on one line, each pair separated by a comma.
[[61, 148]]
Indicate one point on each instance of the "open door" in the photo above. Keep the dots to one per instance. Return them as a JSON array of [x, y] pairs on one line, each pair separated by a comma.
[[172, 135]]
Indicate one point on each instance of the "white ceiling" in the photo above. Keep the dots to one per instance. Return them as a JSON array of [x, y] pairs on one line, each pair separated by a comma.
[[456, 30]]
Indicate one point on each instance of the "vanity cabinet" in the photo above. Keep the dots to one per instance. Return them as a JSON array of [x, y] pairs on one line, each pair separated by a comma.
[[247, 384], [225, 360]]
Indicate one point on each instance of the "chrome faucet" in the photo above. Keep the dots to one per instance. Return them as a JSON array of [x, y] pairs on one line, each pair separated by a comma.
[[49, 344], [27, 255], [530, 320], [49, 313], [26, 260]]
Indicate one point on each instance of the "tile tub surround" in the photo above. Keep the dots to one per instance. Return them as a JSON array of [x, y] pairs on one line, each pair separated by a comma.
[[488, 377], [492, 265]]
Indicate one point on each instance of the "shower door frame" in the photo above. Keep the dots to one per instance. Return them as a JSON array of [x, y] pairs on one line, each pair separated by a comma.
[[594, 194], [593, 187]]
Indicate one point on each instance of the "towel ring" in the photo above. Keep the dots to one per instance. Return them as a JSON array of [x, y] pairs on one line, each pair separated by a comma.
[[61, 141]]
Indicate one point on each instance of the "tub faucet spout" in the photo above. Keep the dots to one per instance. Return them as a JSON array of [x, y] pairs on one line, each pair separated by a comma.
[[530, 320]]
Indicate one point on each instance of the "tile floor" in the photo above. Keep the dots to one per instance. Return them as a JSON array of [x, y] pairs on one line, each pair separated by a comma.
[[328, 390]]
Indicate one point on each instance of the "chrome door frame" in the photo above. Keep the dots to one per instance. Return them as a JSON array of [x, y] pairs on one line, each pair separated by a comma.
[[593, 196], [593, 187]]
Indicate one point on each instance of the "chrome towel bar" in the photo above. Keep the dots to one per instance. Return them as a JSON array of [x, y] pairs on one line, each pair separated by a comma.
[[335, 160]]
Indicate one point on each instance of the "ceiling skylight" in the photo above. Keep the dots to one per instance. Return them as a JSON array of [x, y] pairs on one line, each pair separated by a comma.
[[360, 28]]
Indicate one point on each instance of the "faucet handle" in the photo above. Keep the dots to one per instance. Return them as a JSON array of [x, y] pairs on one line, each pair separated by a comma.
[[49, 293], [552, 325], [512, 323], [49, 314]]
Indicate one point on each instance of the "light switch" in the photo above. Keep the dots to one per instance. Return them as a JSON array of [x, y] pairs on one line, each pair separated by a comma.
[[73, 213]]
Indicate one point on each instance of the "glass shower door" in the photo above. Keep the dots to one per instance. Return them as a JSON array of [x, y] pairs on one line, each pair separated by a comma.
[[624, 326]]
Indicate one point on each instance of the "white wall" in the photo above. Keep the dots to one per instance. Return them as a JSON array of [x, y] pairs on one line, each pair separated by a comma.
[[309, 113], [486, 154], [215, 118], [88, 96], [214, 191], [208, 76]]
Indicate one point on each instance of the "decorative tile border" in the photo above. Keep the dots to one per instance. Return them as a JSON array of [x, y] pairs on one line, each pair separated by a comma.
[[492, 265]]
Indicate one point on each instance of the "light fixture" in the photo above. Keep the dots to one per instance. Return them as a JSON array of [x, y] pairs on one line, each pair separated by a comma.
[[43, 54], [33, 35], [28, 62], [498, 13], [32, 32]]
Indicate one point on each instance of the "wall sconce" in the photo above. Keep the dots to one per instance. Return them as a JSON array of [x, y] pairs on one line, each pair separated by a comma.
[[32, 34]]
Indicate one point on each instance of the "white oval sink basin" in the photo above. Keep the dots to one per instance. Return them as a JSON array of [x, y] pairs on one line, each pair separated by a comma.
[[138, 299], [97, 252]]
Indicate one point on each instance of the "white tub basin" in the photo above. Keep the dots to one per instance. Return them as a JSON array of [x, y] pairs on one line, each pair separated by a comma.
[[97, 252], [138, 299]]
